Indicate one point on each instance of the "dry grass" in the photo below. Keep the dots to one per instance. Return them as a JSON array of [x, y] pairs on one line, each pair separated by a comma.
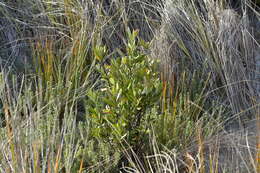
[[226, 152], [223, 44]]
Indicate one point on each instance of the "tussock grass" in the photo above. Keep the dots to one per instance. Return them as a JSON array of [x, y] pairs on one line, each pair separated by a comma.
[[222, 42]]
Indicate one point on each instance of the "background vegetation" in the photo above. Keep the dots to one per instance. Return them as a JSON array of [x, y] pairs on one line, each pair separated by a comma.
[[129, 86]]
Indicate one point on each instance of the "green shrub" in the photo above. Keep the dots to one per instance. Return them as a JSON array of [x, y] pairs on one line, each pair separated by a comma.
[[97, 156], [131, 101], [130, 88]]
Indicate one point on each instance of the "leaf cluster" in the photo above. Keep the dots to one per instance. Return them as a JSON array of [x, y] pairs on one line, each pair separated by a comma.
[[130, 87]]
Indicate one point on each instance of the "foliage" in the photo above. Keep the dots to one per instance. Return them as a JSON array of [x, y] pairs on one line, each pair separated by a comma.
[[130, 88], [97, 156]]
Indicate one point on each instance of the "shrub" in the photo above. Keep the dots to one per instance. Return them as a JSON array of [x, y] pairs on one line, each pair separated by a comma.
[[130, 88]]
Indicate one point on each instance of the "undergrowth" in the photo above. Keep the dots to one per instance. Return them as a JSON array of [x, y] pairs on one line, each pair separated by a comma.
[[130, 86]]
